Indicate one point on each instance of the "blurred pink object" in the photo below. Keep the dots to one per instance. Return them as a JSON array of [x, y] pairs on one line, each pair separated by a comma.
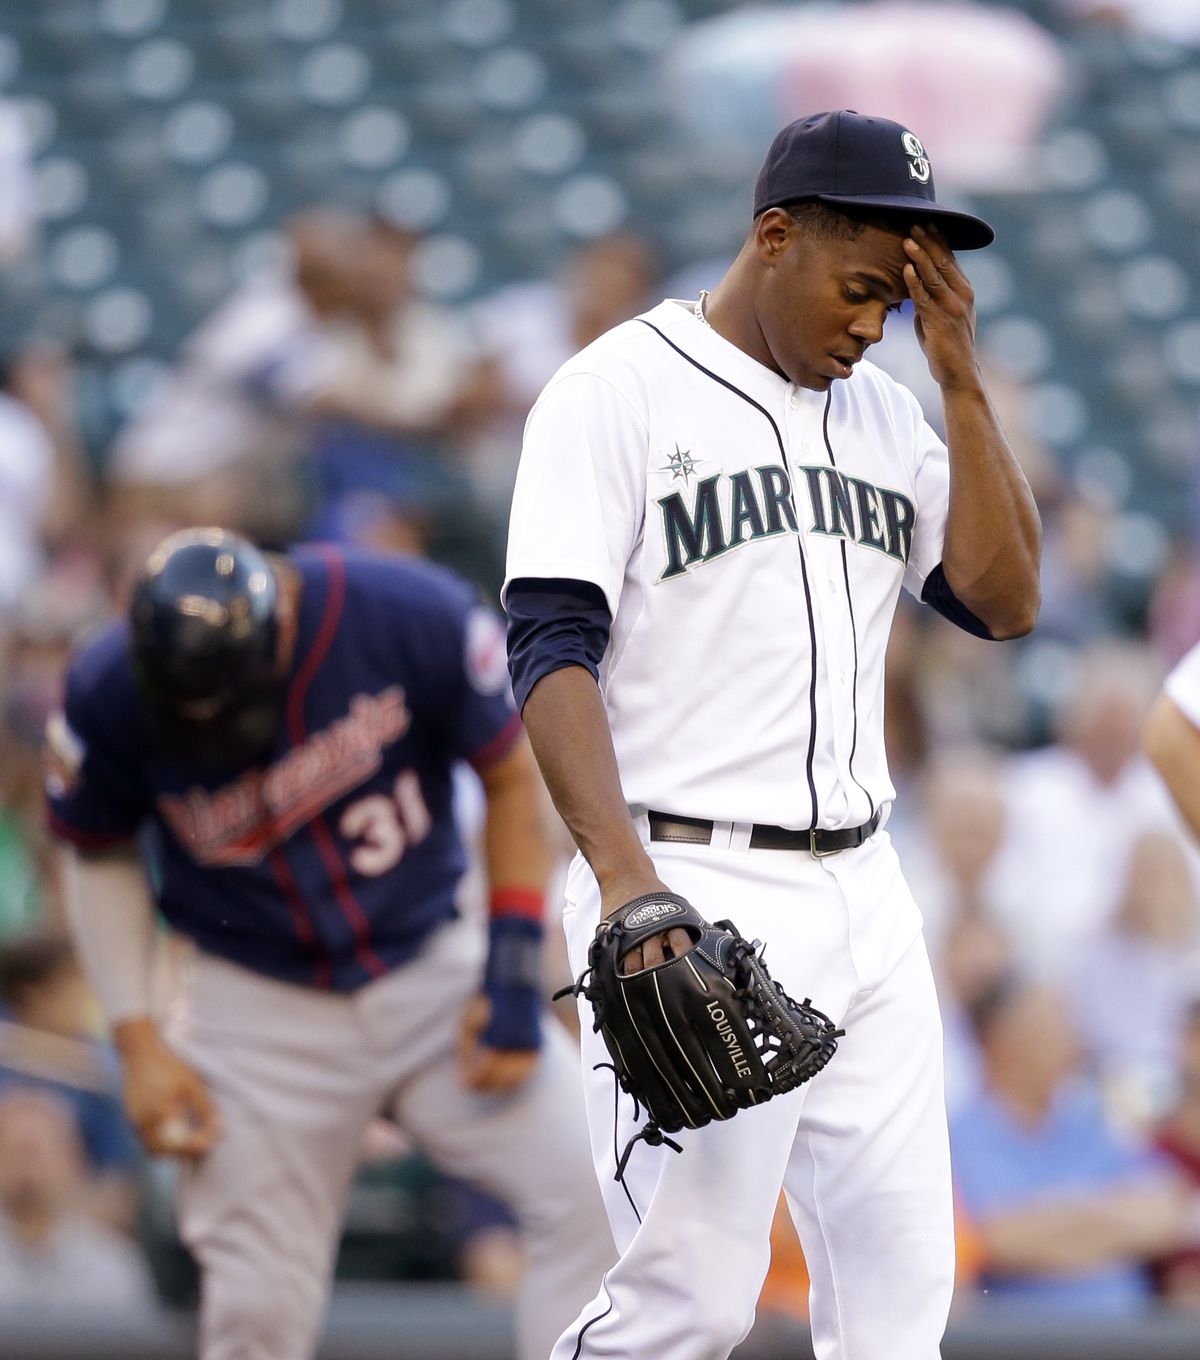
[[975, 83]]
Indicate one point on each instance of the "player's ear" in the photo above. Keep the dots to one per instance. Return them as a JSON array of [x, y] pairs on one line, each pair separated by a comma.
[[774, 232]]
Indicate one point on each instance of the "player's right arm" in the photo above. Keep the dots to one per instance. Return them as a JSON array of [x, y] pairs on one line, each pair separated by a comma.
[[113, 923], [97, 800], [568, 729], [577, 513]]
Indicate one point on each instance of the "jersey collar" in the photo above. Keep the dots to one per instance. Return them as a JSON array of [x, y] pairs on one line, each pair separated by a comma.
[[677, 320]]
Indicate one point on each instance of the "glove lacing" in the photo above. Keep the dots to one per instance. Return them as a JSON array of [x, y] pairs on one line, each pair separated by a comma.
[[650, 1133]]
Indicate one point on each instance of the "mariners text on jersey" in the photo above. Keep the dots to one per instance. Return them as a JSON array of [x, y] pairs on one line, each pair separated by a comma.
[[728, 513], [759, 503]]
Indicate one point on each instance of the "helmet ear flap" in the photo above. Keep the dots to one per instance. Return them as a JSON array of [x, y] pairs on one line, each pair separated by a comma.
[[204, 645]]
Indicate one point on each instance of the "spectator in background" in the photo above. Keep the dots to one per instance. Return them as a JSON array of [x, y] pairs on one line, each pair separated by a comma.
[[1076, 807], [531, 329], [27, 459], [1077, 601], [219, 438], [1178, 1137], [66, 598], [952, 845], [41, 376], [950, 852], [1069, 1212], [527, 331], [401, 360], [319, 399], [1140, 964], [386, 433], [48, 1041], [55, 1259]]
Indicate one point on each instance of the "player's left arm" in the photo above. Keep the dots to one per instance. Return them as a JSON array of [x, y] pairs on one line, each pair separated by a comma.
[[502, 1027], [993, 532]]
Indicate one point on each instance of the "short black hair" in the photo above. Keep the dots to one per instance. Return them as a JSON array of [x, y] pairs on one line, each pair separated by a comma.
[[840, 222], [31, 961]]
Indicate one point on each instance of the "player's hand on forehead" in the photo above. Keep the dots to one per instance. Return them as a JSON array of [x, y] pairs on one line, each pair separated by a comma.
[[935, 262], [944, 301]]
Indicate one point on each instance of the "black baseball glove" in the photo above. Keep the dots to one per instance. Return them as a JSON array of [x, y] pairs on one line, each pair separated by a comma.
[[701, 1035]]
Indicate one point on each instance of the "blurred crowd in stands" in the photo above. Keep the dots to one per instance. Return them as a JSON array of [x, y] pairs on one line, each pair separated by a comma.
[[326, 397]]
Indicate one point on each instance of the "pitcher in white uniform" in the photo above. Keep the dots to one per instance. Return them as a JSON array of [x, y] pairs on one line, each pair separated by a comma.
[[717, 505]]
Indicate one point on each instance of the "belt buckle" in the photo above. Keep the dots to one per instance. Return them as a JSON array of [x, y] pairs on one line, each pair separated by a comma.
[[812, 846]]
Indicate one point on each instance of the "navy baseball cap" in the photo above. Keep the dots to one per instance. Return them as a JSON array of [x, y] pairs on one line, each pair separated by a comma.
[[846, 157]]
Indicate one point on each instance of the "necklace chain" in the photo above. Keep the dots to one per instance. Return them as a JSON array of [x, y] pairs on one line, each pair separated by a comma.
[[699, 308]]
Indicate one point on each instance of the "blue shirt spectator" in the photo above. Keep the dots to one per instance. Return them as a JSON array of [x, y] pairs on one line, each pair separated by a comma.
[[46, 1041], [108, 1141], [1069, 1212], [1002, 1164]]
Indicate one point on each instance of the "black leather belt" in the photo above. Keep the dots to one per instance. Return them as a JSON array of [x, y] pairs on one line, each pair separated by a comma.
[[817, 841]]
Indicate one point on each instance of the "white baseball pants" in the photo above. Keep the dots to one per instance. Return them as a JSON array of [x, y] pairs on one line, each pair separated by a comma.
[[298, 1074], [861, 1151]]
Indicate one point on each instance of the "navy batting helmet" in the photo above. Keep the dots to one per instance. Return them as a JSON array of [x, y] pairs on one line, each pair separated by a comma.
[[204, 632]]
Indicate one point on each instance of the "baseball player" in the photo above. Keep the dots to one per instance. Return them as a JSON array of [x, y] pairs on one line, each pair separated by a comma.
[[279, 733], [717, 505]]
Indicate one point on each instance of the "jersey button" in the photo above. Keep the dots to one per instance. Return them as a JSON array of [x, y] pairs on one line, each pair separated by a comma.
[[796, 403]]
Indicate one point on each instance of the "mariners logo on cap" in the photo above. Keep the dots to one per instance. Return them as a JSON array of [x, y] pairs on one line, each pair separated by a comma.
[[918, 162]]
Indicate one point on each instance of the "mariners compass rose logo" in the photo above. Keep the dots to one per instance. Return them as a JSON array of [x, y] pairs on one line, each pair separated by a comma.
[[681, 464]]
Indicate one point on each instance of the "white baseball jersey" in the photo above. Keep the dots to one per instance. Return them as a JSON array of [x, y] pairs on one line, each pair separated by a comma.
[[751, 538]]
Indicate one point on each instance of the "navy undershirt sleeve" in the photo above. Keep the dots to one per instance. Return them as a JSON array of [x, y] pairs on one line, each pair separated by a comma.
[[553, 623], [937, 594]]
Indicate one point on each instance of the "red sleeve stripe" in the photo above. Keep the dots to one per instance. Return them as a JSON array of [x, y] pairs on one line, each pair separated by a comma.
[[500, 744], [527, 903], [86, 840]]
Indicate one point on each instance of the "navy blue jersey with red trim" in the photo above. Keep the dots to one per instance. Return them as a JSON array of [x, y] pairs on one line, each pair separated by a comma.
[[332, 862]]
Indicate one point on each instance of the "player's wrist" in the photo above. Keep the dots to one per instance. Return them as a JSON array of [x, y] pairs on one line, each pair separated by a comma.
[[517, 902], [513, 983], [625, 886], [136, 1035], [964, 382]]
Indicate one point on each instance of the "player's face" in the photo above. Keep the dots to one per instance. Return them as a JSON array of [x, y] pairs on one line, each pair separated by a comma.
[[824, 302]]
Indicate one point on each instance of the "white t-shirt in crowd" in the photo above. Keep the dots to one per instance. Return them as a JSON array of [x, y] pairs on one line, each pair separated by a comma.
[[1061, 870], [26, 477]]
